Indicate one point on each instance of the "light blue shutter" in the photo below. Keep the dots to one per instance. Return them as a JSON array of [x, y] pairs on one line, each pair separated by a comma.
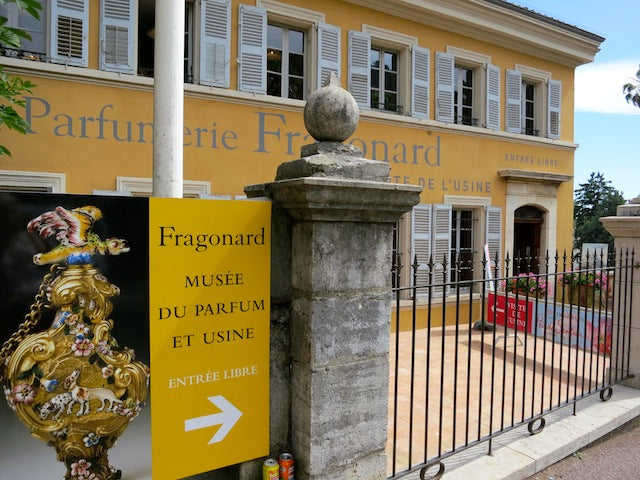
[[421, 243], [215, 35], [513, 119], [70, 32], [420, 58], [252, 46], [441, 247], [328, 52], [493, 97], [117, 30], [493, 231], [359, 71], [445, 64], [555, 103]]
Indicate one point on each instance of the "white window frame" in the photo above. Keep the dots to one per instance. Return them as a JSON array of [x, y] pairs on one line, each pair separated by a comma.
[[51, 182], [402, 44], [540, 79], [477, 62], [285, 69], [143, 185], [301, 19]]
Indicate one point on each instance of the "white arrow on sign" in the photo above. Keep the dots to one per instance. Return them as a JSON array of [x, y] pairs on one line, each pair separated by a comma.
[[501, 310], [227, 418]]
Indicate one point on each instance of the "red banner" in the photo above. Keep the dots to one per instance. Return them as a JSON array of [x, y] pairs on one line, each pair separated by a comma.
[[501, 307]]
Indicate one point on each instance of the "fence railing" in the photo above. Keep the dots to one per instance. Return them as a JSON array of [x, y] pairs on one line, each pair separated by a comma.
[[471, 360]]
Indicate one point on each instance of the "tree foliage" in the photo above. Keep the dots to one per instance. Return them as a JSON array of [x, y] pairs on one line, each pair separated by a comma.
[[632, 90], [13, 88], [594, 199]]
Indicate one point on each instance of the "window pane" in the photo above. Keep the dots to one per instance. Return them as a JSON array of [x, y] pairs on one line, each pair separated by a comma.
[[391, 81], [389, 61], [390, 101], [296, 41], [296, 88], [467, 79], [375, 59], [375, 99], [296, 64], [274, 37], [529, 109], [274, 84], [375, 78], [274, 60]]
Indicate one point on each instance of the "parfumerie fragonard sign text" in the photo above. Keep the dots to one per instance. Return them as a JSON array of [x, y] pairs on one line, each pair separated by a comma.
[[209, 264]]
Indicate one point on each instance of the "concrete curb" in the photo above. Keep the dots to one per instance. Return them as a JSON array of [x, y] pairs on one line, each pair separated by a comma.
[[518, 455]]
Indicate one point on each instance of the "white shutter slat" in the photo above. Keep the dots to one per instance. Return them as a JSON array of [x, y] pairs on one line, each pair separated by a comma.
[[70, 32], [421, 242], [215, 37], [359, 71], [445, 64], [328, 52], [252, 45], [555, 103], [118, 18], [513, 117], [493, 97], [441, 247], [420, 71], [493, 231]]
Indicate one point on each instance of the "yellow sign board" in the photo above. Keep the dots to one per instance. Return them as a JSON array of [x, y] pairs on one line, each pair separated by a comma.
[[209, 290]]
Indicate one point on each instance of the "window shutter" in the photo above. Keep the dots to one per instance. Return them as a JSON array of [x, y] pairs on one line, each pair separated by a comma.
[[420, 58], [421, 243], [494, 234], [328, 52], [70, 32], [359, 71], [117, 27], [555, 100], [441, 246], [215, 35], [252, 46], [493, 97], [514, 102], [445, 64]]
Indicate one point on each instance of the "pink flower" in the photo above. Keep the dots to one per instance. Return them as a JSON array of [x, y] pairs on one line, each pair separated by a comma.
[[80, 468], [82, 347], [24, 393], [103, 348]]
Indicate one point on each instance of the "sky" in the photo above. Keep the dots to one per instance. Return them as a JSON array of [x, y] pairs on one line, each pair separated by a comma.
[[604, 122]]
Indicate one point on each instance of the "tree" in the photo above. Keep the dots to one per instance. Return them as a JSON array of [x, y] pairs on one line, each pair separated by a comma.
[[593, 200], [13, 88], [632, 90]]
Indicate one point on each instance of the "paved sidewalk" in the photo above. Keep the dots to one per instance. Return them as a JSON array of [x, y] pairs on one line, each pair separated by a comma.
[[615, 456], [517, 455]]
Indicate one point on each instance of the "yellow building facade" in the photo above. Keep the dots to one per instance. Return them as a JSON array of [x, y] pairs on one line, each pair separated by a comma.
[[471, 99]]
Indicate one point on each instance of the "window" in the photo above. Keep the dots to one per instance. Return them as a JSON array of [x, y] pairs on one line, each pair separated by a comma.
[[529, 109], [533, 102], [384, 80], [283, 50], [450, 236], [36, 48], [388, 71], [285, 62], [143, 187], [188, 43], [463, 96], [462, 247], [16, 181], [70, 32], [467, 89], [117, 33]]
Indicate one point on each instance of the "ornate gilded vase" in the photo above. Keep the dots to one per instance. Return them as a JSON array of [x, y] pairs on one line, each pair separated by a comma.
[[72, 385]]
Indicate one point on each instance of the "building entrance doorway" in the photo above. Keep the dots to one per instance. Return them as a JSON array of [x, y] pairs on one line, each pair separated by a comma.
[[526, 239]]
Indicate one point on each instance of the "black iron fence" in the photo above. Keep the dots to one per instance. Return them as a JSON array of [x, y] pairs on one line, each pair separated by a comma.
[[473, 359]]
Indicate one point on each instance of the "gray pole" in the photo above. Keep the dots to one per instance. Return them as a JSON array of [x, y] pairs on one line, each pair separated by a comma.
[[168, 99]]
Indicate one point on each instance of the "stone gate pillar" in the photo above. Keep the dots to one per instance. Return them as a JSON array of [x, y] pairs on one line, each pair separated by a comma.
[[342, 209], [625, 229]]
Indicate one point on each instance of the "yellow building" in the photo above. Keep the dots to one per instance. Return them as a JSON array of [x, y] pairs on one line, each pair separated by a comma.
[[472, 99]]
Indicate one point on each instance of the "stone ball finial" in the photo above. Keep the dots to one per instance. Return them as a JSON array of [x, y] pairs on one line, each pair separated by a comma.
[[331, 113]]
